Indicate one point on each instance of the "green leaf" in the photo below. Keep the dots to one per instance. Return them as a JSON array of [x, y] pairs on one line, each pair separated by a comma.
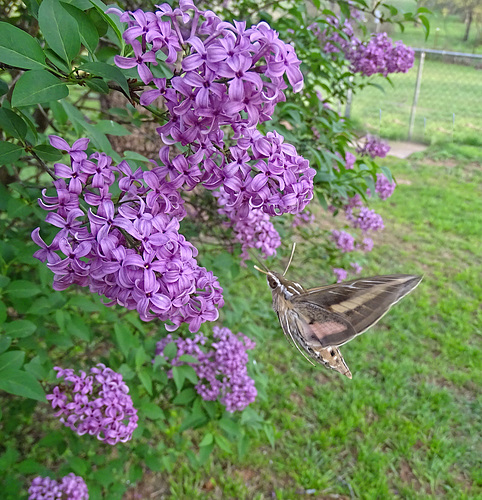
[[97, 85], [113, 21], [22, 289], [59, 29], [178, 377], [170, 351], [243, 445], [78, 465], [22, 384], [185, 397], [36, 368], [188, 372], [207, 440], [388, 174], [87, 30], [269, 431], [223, 443], [12, 124], [230, 426], [426, 25], [107, 71], [187, 358], [11, 360], [124, 337], [146, 380], [19, 328], [35, 87], [4, 343], [3, 87], [48, 152], [3, 313], [204, 453], [152, 411], [79, 328], [193, 421], [111, 127], [19, 49], [9, 152], [141, 357]]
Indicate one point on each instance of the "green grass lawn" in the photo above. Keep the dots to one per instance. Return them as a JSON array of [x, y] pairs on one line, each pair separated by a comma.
[[408, 425]]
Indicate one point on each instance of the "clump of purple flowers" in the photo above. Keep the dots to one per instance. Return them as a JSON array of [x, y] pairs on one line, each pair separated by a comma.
[[341, 274], [304, 218], [374, 147], [379, 55], [383, 187], [126, 246], [232, 76], [221, 366], [71, 487], [97, 404], [343, 240]]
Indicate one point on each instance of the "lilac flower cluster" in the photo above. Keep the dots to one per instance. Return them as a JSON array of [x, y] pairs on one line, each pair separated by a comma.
[[374, 147], [341, 274], [383, 187], [71, 487], [379, 55], [349, 160], [97, 404], [255, 230], [125, 247], [221, 369], [304, 218], [233, 76], [337, 36], [343, 240]]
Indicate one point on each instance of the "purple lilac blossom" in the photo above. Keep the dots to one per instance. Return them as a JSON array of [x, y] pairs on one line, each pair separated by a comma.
[[71, 487], [357, 269], [383, 187], [221, 367], [97, 404], [366, 245], [374, 147], [379, 55], [254, 230], [304, 218], [343, 240], [127, 248], [368, 220], [340, 274], [233, 76]]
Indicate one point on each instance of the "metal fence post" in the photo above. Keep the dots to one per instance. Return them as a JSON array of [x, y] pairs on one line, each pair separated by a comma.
[[415, 96]]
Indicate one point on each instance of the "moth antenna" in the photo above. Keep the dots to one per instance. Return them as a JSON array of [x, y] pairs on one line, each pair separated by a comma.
[[260, 270], [291, 258], [266, 270]]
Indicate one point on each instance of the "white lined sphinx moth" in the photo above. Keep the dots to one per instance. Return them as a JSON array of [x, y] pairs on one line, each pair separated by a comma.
[[317, 321]]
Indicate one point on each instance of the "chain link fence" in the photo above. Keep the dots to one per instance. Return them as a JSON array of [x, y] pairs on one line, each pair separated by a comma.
[[439, 99]]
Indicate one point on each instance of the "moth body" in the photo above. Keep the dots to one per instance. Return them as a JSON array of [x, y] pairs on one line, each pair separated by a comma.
[[318, 321]]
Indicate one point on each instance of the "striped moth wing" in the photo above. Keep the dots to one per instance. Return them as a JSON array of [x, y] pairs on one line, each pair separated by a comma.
[[333, 315]]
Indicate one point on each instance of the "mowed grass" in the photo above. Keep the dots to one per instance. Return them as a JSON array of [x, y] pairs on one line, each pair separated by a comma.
[[449, 106], [409, 423]]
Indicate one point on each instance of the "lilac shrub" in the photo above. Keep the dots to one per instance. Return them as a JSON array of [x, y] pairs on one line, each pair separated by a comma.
[[97, 404], [71, 487], [221, 366], [126, 247]]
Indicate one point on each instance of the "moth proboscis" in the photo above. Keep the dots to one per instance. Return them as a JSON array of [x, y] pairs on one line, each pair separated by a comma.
[[317, 321]]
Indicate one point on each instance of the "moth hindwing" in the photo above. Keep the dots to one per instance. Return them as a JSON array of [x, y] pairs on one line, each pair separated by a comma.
[[317, 321]]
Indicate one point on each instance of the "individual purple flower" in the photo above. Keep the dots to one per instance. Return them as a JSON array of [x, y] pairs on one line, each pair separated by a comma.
[[383, 187], [341, 274], [343, 240], [97, 404], [71, 487], [221, 367], [139, 60]]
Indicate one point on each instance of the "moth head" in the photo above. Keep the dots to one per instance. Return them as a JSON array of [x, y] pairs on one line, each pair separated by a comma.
[[273, 280]]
